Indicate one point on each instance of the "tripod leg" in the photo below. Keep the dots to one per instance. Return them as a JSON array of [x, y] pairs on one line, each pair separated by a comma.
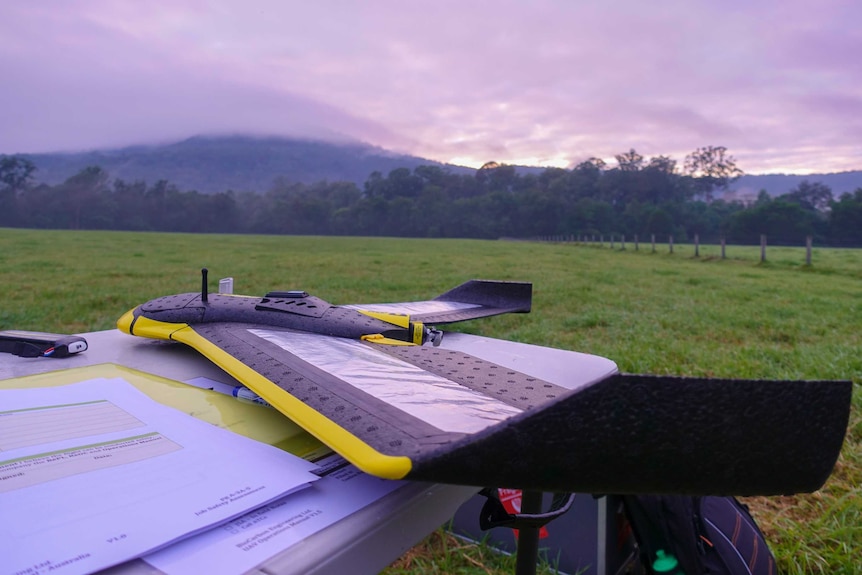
[[527, 554]]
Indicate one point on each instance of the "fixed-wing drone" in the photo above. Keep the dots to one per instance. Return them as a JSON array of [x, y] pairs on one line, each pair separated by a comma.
[[372, 382]]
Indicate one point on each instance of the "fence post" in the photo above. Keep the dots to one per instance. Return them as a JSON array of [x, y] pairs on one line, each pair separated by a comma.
[[808, 250], [636, 242], [623, 243], [670, 244], [612, 241], [723, 242], [696, 245], [762, 248], [653, 242]]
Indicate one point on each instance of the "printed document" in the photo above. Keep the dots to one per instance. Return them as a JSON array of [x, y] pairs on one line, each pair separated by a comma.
[[96, 473], [248, 541]]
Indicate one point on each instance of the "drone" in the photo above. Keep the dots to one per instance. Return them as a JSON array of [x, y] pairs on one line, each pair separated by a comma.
[[379, 385]]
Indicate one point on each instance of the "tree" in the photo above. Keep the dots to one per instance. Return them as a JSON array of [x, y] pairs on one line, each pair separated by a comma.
[[584, 178], [813, 196], [845, 218], [132, 213], [663, 164], [86, 188], [222, 215], [433, 207], [594, 164], [659, 183], [660, 223], [711, 168], [158, 202], [630, 161], [703, 219], [497, 177], [592, 216], [626, 183], [374, 186], [763, 198], [338, 194], [433, 175], [781, 221], [15, 174], [402, 183]]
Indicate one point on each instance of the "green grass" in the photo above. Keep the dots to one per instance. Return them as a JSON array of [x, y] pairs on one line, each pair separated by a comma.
[[443, 554], [650, 312]]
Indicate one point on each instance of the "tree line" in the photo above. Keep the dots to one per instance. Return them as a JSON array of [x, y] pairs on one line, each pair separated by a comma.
[[633, 196]]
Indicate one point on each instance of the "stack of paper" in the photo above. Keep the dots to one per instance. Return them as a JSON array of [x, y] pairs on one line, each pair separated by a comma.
[[247, 541], [96, 473]]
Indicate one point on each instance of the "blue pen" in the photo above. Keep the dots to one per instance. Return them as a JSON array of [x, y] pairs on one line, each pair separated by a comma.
[[245, 394]]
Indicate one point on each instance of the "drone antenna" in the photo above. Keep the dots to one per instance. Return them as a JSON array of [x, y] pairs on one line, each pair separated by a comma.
[[204, 296]]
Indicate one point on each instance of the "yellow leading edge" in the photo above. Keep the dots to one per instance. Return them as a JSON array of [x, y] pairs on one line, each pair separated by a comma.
[[336, 437]]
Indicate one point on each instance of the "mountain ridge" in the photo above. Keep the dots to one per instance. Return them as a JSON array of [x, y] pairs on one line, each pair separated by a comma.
[[217, 163], [211, 164]]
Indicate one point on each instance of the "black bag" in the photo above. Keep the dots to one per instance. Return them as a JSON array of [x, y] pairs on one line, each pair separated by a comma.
[[706, 535]]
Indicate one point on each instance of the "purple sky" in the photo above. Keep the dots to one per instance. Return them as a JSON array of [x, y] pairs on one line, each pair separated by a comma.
[[779, 83]]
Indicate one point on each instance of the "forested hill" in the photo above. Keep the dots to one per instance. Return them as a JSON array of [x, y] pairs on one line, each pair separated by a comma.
[[637, 197], [239, 163], [213, 164]]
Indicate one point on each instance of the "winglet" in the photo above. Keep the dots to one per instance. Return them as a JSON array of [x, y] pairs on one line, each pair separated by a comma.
[[513, 297]]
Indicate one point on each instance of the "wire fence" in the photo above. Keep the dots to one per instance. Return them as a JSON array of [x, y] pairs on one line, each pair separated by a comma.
[[720, 248]]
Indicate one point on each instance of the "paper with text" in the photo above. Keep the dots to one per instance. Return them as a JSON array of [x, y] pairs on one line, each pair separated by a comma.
[[248, 541], [95, 473]]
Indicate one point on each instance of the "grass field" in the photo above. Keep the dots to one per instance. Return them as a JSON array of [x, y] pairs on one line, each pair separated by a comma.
[[650, 312]]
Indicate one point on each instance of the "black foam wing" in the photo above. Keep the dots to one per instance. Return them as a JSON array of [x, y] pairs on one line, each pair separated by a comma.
[[443, 415], [471, 300]]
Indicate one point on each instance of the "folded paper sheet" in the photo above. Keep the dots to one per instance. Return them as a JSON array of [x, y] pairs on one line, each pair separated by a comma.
[[95, 473], [247, 541]]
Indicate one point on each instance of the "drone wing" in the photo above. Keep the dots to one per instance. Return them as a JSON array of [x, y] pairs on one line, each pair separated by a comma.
[[470, 300], [442, 415]]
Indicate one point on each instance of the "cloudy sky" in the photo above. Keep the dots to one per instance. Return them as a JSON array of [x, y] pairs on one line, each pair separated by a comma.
[[545, 82]]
